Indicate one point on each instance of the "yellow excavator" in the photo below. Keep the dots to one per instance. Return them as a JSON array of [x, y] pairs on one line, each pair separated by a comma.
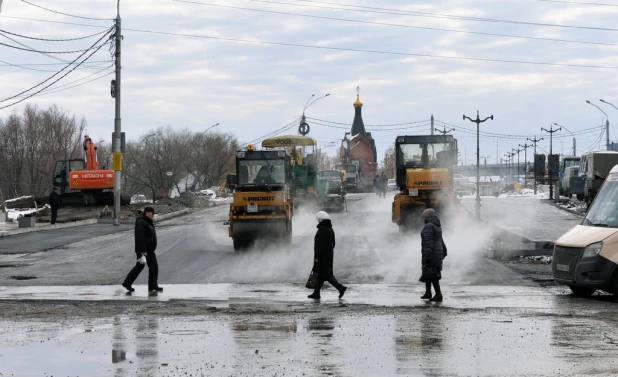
[[262, 206], [424, 174]]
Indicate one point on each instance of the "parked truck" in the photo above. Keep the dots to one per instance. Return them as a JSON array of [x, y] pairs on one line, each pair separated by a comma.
[[594, 167]]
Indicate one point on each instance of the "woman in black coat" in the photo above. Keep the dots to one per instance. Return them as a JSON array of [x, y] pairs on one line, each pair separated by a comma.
[[433, 252], [323, 248]]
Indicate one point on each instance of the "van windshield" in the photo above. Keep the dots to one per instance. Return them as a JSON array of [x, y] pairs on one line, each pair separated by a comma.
[[604, 210]]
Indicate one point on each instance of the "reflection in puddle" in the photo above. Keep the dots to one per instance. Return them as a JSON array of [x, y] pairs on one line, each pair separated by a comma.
[[265, 326]]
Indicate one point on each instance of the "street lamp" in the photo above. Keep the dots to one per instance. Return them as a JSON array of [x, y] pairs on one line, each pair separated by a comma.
[[574, 141], [551, 177], [614, 106], [606, 123], [510, 155], [304, 128], [525, 149], [213, 126], [478, 121], [518, 151]]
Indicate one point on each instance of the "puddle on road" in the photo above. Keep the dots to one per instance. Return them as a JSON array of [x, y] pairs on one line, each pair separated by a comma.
[[431, 342]]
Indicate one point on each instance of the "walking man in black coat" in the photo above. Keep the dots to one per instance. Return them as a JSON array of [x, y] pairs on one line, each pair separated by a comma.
[[324, 245], [433, 252], [145, 244], [54, 203]]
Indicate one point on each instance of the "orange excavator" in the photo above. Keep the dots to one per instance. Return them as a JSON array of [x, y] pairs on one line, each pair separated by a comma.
[[82, 183]]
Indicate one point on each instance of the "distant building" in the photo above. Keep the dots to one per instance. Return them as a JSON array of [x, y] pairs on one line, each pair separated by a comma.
[[359, 147]]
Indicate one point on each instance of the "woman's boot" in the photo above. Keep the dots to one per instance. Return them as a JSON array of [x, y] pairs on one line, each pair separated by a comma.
[[438, 297], [427, 294]]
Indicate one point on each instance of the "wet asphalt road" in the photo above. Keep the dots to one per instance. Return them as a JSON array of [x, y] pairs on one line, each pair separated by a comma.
[[245, 313]]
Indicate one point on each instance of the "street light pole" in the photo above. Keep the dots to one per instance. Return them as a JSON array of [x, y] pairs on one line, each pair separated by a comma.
[[525, 149], [117, 150], [551, 177], [535, 141], [518, 151], [606, 123], [209, 128], [303, 127], [478, 121]]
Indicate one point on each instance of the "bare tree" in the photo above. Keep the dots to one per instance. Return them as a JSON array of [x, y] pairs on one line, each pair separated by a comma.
[[388, 164], [31, 143]]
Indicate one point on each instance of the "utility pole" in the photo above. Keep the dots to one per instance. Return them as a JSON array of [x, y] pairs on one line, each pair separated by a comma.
[[510, 155], [525, 149], [518, 151], [432, 125], [574, 146], [117, 151], [551, 177], [478, 121], [445, 131], [606, 122], [535, 141]]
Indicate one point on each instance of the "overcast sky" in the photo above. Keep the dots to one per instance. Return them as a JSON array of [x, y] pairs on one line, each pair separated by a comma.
[[252, 89]]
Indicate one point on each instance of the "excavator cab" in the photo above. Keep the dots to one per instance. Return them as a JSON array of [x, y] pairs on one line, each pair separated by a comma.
[[62, 170]]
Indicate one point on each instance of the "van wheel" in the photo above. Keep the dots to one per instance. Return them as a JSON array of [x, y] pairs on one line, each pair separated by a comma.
[[581, 291]]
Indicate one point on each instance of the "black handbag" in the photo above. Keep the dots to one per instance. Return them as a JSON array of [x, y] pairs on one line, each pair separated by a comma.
[[312, 282]]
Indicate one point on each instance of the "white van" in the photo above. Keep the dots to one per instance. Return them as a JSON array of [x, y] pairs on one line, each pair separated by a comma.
[[586, 257]]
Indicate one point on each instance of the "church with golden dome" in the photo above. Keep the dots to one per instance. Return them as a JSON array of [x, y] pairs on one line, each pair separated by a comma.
[[359, 147]]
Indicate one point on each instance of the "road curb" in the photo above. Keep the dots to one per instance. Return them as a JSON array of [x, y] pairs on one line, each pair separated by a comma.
[[47, 227], [564, 209], [170, 215]]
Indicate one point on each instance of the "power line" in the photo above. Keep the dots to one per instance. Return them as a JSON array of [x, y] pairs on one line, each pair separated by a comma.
[[284, 128], [44, 64], [70, 85], [367, 9], [395, 25], [41, 52], [379, 52], [578, 3], [67, 14], [44, 53], [52, 40], [515, 137], [74, 86], [58, 79], [370, 125]]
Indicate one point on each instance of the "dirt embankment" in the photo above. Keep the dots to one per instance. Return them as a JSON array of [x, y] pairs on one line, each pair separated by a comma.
[[162, 207]]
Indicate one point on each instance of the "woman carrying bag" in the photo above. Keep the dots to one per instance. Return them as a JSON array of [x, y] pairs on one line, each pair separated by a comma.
[[324, 246]]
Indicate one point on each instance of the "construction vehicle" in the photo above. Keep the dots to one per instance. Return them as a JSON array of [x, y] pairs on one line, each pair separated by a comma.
[[262, 206], [595, 167], [568, 164], [82, 183], [331, 190], [424, 173], [301, 165], [353, 179]]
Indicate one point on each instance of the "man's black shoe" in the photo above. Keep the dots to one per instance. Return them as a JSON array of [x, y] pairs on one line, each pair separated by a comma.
[[313, 296], [426, 296], [342, 291], [157, 289], [129, 288]]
